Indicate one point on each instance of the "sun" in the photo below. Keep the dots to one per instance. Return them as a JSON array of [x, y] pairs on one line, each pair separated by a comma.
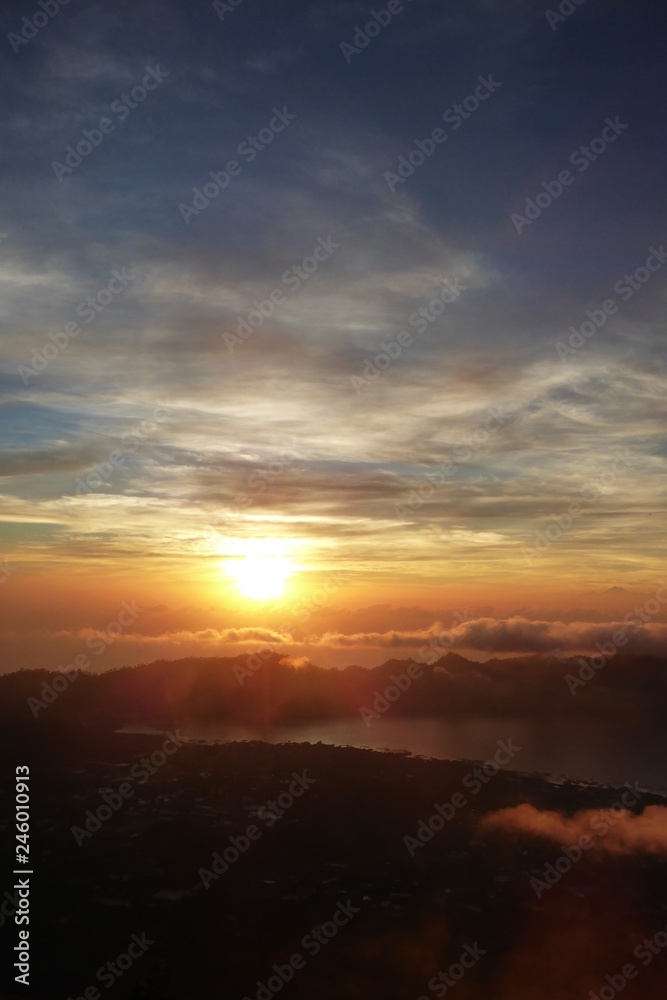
[[259, 567], [261, 577]]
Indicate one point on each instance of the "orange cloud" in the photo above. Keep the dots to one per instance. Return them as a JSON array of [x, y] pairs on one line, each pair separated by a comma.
[[298, 662], [182, 636], [617, 831]]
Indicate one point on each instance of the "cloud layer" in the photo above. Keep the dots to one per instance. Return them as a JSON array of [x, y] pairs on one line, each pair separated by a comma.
[[624, 831]]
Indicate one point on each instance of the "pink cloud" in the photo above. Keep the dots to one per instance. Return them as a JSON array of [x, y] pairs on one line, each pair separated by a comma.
[[617, 831]]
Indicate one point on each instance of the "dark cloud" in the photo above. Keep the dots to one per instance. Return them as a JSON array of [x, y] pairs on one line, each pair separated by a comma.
[[518, 635]]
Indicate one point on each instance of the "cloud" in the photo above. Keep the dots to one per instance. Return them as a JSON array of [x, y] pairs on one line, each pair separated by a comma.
[[377, 640], [178, 637], [513, 635], [297, 662], [27, 462], [625, 832]]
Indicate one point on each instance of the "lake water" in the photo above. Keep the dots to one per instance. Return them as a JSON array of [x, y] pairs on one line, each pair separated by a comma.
[[575, 748]]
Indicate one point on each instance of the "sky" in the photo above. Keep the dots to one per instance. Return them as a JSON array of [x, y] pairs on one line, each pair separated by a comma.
[[379, 312]]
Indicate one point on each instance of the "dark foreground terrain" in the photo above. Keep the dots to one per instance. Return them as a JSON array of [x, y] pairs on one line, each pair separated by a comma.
[[330, 854]]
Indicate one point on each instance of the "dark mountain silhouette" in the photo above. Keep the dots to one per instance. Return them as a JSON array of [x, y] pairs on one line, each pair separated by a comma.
[[208, 689]]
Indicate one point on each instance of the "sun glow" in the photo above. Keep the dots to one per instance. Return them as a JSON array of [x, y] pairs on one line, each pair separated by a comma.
[[261, 577], [260, 567]]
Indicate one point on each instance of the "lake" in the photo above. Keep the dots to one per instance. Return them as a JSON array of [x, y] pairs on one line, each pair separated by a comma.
[[575, 748]]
